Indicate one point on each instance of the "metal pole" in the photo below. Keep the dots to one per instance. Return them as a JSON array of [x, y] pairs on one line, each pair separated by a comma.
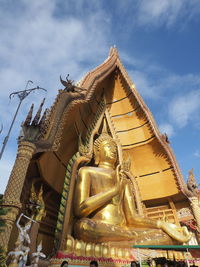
[[22, 95], [7, 136]]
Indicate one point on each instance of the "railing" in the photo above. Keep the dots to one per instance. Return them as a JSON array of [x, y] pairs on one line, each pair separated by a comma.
[[161, 212]]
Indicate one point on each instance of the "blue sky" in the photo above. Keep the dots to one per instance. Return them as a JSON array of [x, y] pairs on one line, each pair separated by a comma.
[[158, 41]]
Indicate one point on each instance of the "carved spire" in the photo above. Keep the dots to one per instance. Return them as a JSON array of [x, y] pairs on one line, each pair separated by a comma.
[[44, 116], [35, 130], [29, 116], [38, 114], [105, 126], [192, 183]]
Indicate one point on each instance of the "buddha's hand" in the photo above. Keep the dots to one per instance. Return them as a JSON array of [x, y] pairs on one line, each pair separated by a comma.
[[180, 234], [118, 176], [120, 181]]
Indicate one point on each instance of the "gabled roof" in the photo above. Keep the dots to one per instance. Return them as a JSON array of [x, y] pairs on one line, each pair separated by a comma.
[[66, 102]]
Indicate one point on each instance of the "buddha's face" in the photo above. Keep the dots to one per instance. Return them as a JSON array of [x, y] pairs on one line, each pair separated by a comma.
[[108, 152]]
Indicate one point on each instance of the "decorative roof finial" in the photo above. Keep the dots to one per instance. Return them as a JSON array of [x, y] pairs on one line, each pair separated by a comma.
[[38, 114], [113, 51], [68, 84], [192, 183], [29, 116]]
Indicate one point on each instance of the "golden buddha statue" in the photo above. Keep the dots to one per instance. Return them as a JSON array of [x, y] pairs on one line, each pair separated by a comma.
[[105, 209]]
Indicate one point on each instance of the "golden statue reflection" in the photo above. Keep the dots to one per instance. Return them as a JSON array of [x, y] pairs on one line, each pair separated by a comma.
[[105, 209]]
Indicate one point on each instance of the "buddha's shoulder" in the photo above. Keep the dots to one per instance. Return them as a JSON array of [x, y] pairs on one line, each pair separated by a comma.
[[88, 169], [94, 170]]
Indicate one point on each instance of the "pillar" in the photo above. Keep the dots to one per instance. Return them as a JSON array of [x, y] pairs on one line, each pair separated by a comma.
[[11, 198]]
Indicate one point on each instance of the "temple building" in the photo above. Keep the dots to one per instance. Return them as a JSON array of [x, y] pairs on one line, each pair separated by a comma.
[[94, 175]]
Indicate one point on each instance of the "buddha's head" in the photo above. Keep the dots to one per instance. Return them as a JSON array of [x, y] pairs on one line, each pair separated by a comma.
[[105, 149]]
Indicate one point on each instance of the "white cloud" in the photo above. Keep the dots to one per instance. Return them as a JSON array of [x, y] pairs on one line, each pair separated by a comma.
[[166, 12], [38, 44], [155, 82], [167, 128], [185, 108], [197, 153], [178, 95], [184, 81], [145, 86], [6, 164]]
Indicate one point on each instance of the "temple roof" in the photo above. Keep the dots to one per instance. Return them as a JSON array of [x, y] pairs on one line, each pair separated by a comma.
[[153, 161]]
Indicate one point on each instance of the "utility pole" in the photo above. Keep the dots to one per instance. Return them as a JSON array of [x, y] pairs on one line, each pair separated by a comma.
[[22, 95]]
